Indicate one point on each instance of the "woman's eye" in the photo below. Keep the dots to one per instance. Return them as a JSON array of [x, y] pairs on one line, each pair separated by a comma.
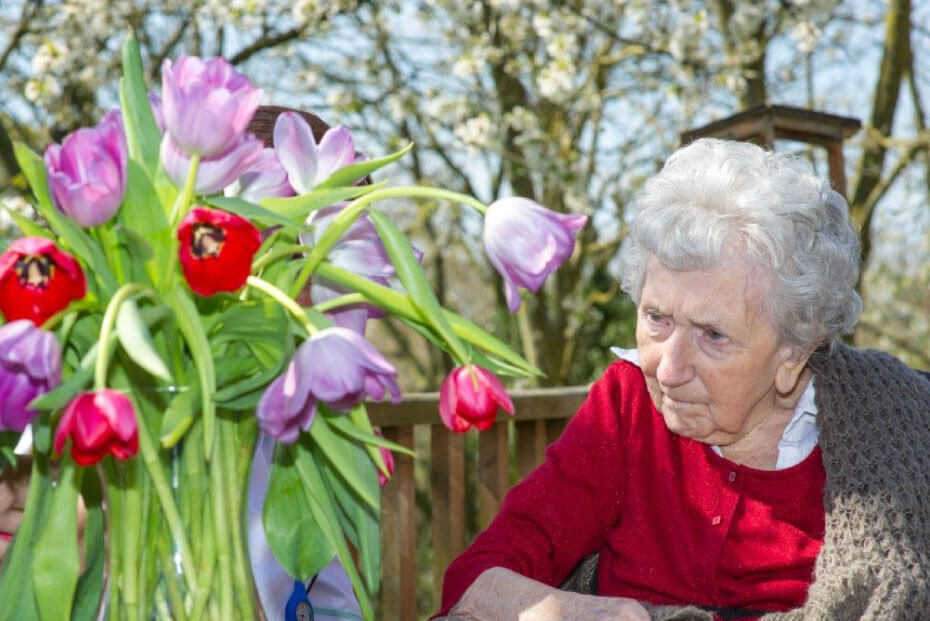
[[655, 317], [714, 336]]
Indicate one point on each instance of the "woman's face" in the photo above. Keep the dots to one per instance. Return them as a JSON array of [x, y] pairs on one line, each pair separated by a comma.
[[714, 364]]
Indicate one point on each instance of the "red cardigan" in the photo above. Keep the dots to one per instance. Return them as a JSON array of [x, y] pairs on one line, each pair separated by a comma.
[[674, 522]]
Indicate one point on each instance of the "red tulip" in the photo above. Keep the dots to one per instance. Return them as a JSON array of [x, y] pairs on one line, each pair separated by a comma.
[[98, 423], [216, 250], [470, 396], [37, 280]]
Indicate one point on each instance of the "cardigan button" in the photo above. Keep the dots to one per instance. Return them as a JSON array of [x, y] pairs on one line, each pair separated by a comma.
[[732, 476], [716, 520]]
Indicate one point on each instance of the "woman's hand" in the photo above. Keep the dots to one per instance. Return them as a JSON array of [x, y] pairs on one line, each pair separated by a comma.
[[499, 594]]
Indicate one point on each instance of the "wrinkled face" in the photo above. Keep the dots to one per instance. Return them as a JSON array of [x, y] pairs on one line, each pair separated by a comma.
[[711, 358]]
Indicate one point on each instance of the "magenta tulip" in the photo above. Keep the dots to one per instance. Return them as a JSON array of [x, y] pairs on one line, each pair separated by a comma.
[[98, 423], [206, 104], [307, 163], [30, 366], [215, 173], [469, 397], [353, 369], [87, 172], [526, 242]]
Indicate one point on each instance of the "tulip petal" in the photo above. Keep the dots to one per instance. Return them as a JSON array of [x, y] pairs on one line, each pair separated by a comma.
[[336, 151], [296, 150]]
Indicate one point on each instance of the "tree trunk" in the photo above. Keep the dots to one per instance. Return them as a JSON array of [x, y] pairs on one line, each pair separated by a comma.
[[895, 59]]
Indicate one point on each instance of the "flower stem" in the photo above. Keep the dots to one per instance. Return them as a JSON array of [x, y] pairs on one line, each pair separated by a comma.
[[106, 327], [352, 211], [343, 300], [114, 544], [274, 255], [166, 500], [224, 559], [228, 454], [526, 335], [284, 300], [179, 210], [131, 526]]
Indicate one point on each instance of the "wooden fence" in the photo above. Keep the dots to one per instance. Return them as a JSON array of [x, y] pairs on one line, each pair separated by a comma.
[[541, 415]]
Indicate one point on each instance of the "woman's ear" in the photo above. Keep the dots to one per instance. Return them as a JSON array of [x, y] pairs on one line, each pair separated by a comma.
[[789, 370]]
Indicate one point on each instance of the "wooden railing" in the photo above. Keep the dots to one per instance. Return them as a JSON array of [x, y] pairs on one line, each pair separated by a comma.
[[541, 415]]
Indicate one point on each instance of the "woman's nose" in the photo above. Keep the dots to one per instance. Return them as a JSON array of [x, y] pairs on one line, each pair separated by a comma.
[[675, 365]]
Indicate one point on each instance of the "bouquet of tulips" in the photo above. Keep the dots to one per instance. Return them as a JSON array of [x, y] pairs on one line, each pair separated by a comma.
[[152, 336]]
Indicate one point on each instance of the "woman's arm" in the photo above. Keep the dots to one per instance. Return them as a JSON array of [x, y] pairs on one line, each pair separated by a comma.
[[499, 594]]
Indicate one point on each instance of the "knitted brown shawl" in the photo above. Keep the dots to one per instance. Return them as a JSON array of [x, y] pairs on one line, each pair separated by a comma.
[[874, 418]]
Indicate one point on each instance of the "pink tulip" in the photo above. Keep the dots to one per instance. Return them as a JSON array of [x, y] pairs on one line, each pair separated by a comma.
[[87, 172], [469, 397], [264, 178], [307, 163], [214, 173], [206, 104], [99, 423], [526, 242]]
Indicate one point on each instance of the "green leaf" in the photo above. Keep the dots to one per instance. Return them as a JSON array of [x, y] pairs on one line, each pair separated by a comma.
[[296, 208], [294, 536], [178, 418], [364, 520], [193, 332], [344, 425], [400, 304], [353, 172], [142, 135], [411, 275], [26, 226], [251, 211], [56, 561], [143, 216], [137, 342], [254, 382], [337, 449], [90, 584], [16, 590], [70, 233], [61, 395], [325, 515]]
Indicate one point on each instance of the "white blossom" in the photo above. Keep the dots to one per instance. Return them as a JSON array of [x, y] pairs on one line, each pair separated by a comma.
[[555, 80], [807, 35], [474, 132]]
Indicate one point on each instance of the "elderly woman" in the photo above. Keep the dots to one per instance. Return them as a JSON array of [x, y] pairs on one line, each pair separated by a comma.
[[741, 462]]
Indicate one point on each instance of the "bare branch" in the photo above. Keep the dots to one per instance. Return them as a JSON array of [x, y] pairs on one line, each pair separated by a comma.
[[268, 41], [21, 29]]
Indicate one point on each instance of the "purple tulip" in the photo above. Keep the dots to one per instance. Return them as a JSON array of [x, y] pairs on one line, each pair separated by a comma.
[[335, 366], [87, 172], [206, 104], [526, 242], [30, 365], [215, 173], [266, 177], [360, 251], [307, 163]]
